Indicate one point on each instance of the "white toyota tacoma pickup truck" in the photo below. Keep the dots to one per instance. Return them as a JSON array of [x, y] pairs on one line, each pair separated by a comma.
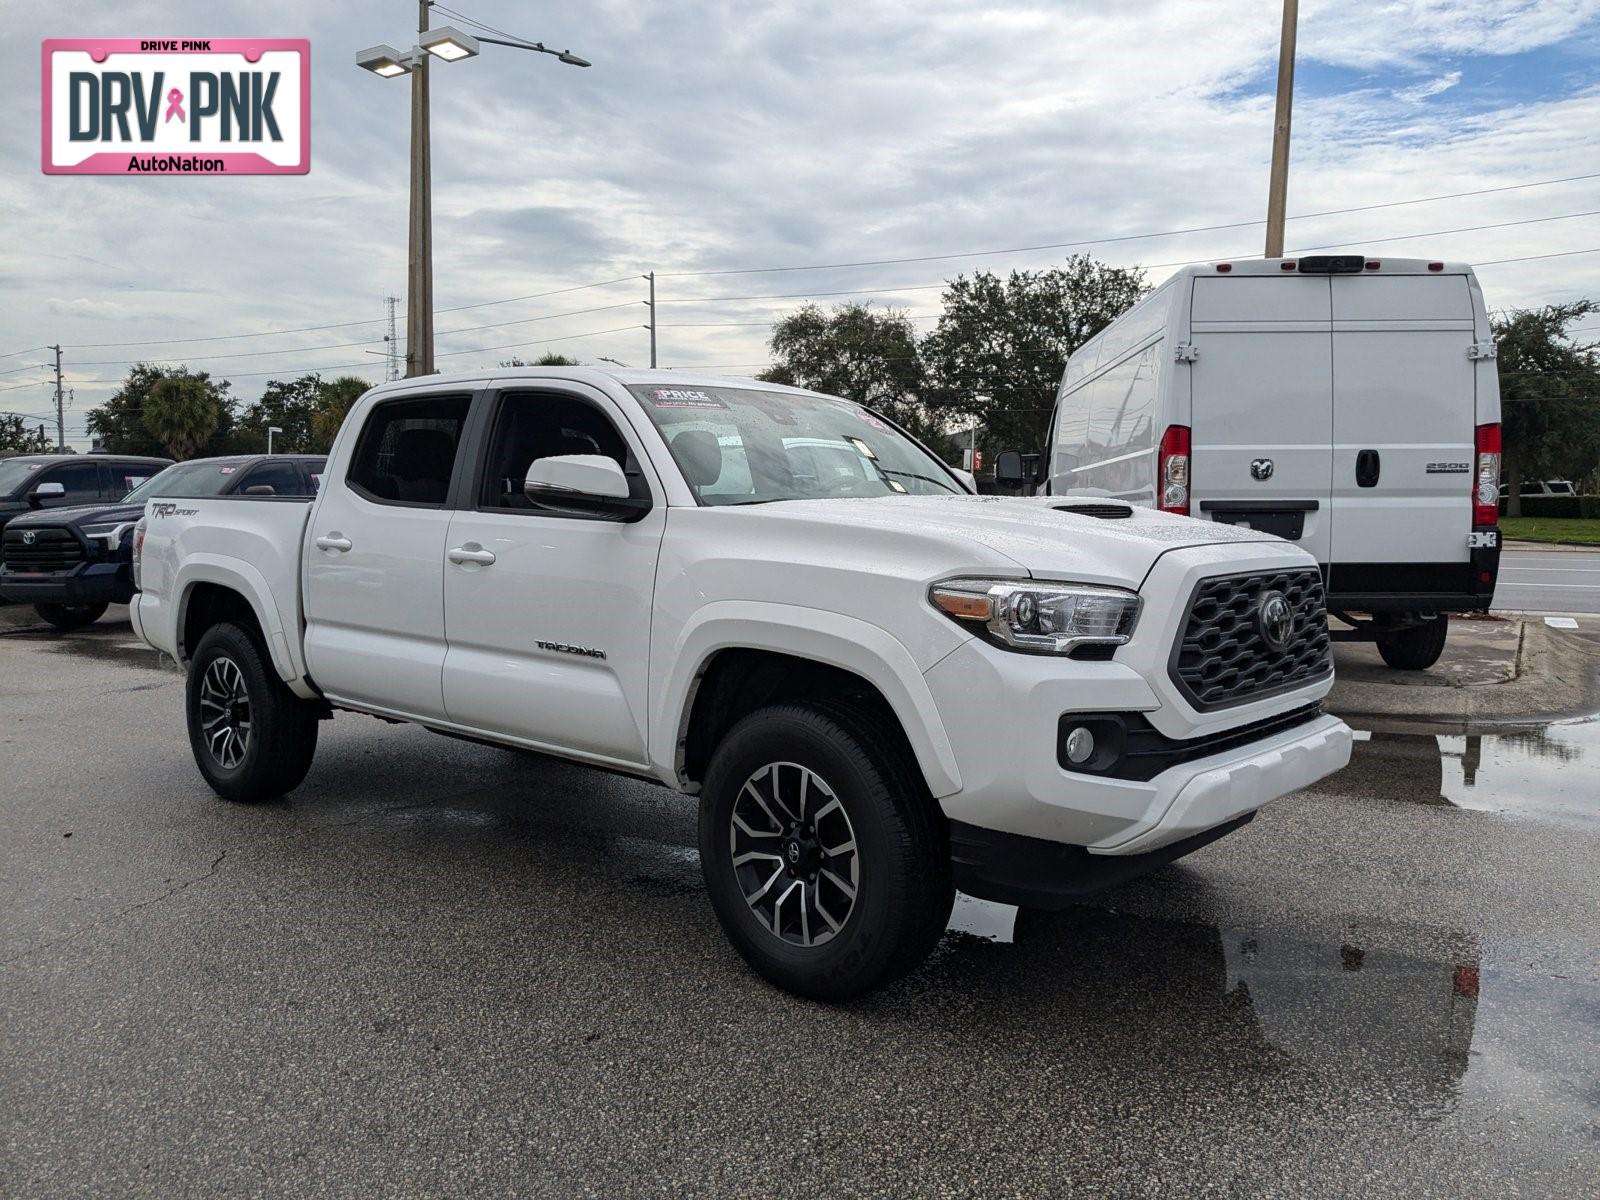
[[880, 686]]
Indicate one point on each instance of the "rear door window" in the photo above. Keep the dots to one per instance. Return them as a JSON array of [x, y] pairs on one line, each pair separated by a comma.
[[407, 451]]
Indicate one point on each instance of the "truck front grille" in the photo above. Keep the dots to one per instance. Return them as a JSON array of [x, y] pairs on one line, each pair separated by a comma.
[[52, 548], [1224, 657]]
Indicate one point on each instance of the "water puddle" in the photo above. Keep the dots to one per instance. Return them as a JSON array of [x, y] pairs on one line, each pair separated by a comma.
[[1551, 773]]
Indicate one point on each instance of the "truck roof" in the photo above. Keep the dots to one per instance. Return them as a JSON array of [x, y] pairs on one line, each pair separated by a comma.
[[627, 376]]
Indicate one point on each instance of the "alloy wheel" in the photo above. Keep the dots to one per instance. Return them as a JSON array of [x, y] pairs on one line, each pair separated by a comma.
[[225, 718], [794, 854]]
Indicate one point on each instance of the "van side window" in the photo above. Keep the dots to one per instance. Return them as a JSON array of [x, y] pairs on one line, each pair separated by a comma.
[[407, 451], [535, 425]]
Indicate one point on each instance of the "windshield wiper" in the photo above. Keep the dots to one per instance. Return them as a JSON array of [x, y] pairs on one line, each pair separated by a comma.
[[913, 475]]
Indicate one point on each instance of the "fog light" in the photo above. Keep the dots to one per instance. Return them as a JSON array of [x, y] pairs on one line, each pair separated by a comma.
[[1080, 746]]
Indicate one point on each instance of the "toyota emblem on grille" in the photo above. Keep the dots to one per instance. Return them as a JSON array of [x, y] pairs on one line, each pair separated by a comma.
[[1260, 468], [28, 537], [1275, 621]]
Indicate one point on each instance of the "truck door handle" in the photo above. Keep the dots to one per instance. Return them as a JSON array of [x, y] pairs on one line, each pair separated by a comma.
[[334, 541], [1367, 468], [471, 553]]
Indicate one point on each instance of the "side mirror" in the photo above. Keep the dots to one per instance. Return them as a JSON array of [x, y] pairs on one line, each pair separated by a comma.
[[46, 491], [261, 489], [1008, 467], [587, 484]]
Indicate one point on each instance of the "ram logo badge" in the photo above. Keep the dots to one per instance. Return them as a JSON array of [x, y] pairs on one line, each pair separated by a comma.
[[1261, 468]]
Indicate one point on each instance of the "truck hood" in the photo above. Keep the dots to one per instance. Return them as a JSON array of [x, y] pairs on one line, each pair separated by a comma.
[[79, 516], [1041, 536]]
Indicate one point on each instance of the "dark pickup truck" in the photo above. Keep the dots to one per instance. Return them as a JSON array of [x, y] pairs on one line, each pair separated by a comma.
[[72, 563]]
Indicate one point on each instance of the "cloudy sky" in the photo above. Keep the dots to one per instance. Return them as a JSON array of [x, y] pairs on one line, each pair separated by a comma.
[[713, 142]]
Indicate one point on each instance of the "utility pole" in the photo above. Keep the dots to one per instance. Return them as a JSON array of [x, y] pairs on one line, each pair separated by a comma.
[[419, 289], [1278, 187], [651, 305], [61, 419], [391, 349]]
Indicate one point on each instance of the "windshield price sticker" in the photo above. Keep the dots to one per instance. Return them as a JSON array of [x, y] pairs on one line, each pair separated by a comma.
[[148, 106], [683, 398]]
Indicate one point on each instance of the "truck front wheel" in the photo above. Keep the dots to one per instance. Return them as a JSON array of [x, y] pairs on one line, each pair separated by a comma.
[[824, 855], [1416, 647], [67, 617], [253, 739]]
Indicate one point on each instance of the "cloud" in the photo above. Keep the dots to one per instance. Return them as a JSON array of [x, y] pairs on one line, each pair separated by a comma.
[[1417, 93], [720, 135]]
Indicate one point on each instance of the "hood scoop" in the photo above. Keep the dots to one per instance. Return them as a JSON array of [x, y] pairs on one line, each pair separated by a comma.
[[1106, 510]]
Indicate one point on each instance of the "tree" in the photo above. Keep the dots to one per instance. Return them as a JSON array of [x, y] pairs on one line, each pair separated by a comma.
[[119, 422], [996, 355], [181, 412], [334, 399], [290, 406], [866, 356], [1550, 393], [16, 437], [544, 360]]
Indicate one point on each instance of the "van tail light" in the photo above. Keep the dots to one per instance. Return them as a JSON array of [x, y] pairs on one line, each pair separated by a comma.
[[1172, 470], [138, 553], [1486, 482]]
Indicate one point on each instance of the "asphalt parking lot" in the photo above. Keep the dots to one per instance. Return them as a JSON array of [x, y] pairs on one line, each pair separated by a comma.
[[439, 969]]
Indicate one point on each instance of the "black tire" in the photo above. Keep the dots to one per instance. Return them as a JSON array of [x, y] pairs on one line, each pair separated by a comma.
[[900, 865], [67, 617], [273, 751], [1415, 648]]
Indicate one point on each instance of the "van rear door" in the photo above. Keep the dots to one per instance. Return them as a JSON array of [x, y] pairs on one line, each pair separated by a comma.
[[1261, 405], [1403, 416]]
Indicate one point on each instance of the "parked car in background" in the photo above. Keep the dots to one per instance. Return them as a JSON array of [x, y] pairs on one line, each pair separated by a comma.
[[72, 563], [1347, 404], [1546, 487], [880, 686], [30, 482]]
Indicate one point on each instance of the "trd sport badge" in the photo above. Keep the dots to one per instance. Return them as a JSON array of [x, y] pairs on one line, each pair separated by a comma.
[[149, 106]]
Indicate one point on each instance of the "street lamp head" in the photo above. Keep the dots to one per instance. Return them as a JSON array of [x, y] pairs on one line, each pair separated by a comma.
[[449, 44], [382, 60], [572, 60]]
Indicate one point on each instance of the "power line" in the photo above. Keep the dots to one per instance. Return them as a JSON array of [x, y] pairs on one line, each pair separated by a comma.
[[1111, 239], [223, 337]]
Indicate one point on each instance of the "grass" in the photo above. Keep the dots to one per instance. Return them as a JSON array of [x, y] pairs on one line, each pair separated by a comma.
[[1584, 531]]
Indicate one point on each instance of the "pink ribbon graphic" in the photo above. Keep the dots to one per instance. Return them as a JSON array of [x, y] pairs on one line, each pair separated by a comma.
[[174, 106]]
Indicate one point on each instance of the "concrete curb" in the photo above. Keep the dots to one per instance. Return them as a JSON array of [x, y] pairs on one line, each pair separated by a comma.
[[1556, 675]]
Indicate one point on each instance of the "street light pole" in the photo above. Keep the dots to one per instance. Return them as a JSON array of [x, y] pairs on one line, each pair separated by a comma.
[[419, 280], [452, 45], [272, 429], [1278, 187]]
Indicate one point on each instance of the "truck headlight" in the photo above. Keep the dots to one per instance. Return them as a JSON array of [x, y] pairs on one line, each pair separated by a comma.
[[1039, 618], [111, 533]]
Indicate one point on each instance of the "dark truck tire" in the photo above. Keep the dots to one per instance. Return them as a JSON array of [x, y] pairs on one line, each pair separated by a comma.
[[67, 617], [827, 861], [1417, 647], [253, 739]]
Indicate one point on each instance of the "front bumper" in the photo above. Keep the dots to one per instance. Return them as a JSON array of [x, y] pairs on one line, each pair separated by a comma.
[[87, 583], [1001, 713]]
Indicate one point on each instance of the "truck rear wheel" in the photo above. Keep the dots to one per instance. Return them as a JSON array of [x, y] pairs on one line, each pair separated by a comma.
[[67, 617], [1416, 647], [253, 739], [824, 855]]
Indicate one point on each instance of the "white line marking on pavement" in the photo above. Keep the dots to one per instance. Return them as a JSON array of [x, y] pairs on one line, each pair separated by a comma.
[[1561, 622]]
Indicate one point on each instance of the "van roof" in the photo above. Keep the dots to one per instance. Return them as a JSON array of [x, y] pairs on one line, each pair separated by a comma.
[[1275, 266]]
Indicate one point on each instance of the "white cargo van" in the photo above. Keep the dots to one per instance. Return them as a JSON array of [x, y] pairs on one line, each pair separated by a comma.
[[1348, 404]]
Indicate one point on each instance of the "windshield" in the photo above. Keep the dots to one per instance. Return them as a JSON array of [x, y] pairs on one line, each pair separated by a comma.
[[15, 473], [183, 481], [745, 446]]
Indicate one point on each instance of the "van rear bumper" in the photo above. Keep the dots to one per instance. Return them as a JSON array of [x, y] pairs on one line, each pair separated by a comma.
[[1375, 587]]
